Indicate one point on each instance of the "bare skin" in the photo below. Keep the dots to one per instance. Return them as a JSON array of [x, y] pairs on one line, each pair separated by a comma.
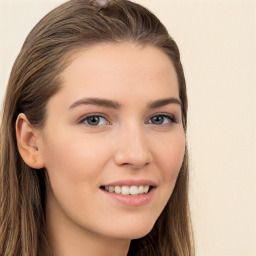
[[116, 120]]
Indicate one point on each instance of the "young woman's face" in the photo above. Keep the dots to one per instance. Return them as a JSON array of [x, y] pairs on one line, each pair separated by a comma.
[[113, 142]]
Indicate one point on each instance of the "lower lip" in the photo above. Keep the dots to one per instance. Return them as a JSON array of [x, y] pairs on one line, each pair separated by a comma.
[[130, 200]]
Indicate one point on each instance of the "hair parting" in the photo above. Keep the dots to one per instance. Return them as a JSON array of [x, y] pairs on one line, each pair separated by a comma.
[[35, 78]]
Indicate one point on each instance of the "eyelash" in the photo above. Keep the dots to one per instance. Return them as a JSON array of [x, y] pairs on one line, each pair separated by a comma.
[[86, 118], [171, 119]]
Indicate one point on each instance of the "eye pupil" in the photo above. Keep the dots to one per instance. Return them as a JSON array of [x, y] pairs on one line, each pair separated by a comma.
[[157, 119], [93, 120]]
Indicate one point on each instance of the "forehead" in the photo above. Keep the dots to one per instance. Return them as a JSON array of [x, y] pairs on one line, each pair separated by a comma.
[[117, 70]]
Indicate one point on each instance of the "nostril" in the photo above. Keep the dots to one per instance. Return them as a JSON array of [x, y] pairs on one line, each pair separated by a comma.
[[133, 153]]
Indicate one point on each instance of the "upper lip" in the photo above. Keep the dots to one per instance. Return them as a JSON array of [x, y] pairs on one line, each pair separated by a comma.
[[143, 182]]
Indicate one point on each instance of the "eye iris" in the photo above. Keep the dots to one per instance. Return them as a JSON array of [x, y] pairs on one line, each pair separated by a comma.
[[93, 120], [157, 119]]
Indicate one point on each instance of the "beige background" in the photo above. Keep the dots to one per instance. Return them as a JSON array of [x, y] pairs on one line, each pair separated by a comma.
[[217, 44]]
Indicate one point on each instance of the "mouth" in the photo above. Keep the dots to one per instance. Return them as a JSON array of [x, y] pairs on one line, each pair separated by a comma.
[[128, 190], [131, 193]]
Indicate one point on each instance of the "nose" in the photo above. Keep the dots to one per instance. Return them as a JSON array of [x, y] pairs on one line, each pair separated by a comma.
[[132, 148]]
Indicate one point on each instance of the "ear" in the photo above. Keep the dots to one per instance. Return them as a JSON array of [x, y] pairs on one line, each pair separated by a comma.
[[27, 141]]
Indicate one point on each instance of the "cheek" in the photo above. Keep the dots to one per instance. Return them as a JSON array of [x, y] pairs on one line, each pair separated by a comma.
[[74, 166], [170, 157], [73, 155]]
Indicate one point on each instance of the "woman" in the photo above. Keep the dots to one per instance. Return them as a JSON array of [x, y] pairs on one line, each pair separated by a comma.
[[93, 151]]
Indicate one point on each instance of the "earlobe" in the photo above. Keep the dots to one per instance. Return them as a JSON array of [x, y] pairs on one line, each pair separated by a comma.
[[27, 141]]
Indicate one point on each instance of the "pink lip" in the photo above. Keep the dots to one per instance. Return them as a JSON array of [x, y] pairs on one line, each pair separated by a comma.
[[129, 200], [132, 183]]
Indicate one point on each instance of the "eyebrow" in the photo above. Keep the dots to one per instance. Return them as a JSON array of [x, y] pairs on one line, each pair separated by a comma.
[[116, 105], [97, 101], [164, 102]]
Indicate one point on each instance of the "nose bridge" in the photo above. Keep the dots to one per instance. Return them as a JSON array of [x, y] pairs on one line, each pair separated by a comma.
[[132, 146]]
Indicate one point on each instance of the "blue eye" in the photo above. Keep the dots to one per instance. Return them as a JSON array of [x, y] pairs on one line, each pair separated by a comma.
[[95, 120], [162, 119]]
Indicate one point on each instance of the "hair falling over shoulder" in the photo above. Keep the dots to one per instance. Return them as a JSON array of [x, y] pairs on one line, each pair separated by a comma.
[[34, 79]]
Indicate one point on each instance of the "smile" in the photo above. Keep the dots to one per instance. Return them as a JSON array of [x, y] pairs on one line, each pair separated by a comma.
[[128, 190]]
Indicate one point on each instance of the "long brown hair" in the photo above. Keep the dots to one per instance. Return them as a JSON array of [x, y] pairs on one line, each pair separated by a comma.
[[34, 79]]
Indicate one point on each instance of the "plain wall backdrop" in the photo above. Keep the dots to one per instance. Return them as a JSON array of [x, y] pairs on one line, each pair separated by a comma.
[[218, 44]]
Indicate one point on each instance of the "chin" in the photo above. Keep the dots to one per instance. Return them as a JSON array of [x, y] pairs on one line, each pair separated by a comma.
[[133, 231]]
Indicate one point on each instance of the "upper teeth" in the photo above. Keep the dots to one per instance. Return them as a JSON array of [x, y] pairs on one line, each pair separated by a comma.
[[128, 190]]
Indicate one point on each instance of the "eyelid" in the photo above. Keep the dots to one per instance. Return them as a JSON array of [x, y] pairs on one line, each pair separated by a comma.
[[172, 117], [83, 118]]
